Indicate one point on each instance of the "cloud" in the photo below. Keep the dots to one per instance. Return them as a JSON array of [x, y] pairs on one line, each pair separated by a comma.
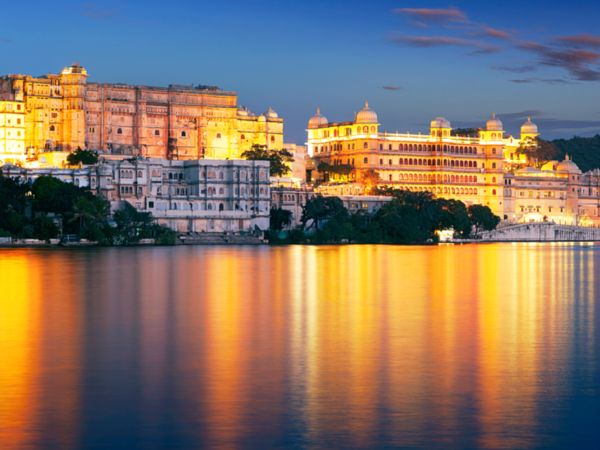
[[391, 88], [580, 40], [518, 115], [479, 47], [425, 16], [576, 61], [541, 80], [95, 12], [516, 69], [494, 33]]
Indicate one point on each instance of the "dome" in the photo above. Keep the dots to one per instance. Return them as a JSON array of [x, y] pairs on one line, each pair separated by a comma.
[[317, 120], [366, 115], [494, 124], [262, 118], [529, 127], [440, 122], [271, 114], [568, 166], [242, 111]]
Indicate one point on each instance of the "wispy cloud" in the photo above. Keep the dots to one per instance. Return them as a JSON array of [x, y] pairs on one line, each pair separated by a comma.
[[516, 69], [541, 80], [580, 40], [391, 88], [445, 41], [494, 33], [578, 62], [96, 12], [430, 16]]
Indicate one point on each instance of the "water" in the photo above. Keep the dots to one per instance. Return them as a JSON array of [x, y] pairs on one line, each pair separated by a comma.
[[476, 346]]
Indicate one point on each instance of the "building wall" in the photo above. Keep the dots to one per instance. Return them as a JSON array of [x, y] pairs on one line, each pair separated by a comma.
[[177, 122], [189, 196], [12, 132]]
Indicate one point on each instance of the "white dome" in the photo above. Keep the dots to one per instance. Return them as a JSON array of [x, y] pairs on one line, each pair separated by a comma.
[[529, 127], [494, 124], [317, 120], [568, 166], [261, 118], [242, 111], [440, 122], [366, 115], [271, 114]]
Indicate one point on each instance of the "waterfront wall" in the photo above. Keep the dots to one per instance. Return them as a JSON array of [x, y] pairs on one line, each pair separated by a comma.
[[545, 231]]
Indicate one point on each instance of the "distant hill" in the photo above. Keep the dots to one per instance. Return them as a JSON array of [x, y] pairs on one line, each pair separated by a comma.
[[584, 151]]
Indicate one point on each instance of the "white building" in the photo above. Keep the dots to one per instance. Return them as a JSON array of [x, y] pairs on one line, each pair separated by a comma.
[[190, 196]]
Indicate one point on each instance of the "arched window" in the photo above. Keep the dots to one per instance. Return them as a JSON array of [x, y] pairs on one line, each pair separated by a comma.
[[366, 160], [183, 134], [365, 145], [220, 206], [372, 129], [119, 130], [52, 128], [365, 129], [242, 136], [272, 138], [218, 135], [156, 132]]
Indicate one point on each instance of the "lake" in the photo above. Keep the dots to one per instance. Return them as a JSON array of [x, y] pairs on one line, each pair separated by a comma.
[[450, 346]]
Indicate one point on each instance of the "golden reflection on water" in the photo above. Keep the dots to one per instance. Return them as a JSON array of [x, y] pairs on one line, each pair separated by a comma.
[[362, 346]]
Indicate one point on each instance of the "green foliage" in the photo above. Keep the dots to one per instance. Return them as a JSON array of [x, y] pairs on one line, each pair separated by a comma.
[[132, 225], [538, 150], [465, 132], [279, 159], [279, 218], [483, 218], [45, 228], [49, 208], [585, 152], [319, 210], [80, 156], [408, 218]]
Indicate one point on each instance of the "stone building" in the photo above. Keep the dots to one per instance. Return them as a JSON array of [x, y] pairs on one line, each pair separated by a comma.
[[485, 169], [12, 132], [64, 111], [191, 196]]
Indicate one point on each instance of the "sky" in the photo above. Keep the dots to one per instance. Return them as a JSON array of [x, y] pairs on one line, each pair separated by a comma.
[[412, 61]]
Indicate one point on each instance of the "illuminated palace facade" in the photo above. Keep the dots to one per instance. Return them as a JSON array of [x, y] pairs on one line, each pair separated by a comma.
[[63, 112], [487, 169]]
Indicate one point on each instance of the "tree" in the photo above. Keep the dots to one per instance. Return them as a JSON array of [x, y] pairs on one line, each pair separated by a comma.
[[279, 218], [483, 218], [279, 159], [539, 150], [13, 205], [585, 151], [453, 214], [80, 156], [319, 209], [465, 132], [131, 224]]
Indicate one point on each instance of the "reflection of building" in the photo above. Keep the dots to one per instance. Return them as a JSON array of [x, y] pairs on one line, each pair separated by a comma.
[[178, 122], [188, 196], [487, 169], [12, 131]]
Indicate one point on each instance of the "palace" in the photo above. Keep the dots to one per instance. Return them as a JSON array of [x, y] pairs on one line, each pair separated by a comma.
[[187, 196], [63, 112], [486, 169]]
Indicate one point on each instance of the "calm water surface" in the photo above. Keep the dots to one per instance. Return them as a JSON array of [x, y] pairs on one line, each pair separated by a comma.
[[478, 346]]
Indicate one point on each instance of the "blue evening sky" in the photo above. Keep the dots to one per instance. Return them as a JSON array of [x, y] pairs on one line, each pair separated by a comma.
[[411, 60]]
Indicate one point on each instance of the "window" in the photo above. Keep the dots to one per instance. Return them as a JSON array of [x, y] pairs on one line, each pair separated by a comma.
[[119, 131], [242, 137], [52, 128], [272, 138], [366, 160], [218, 135], [183, 134], [156, 132], [365, 145], [150, 204]]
